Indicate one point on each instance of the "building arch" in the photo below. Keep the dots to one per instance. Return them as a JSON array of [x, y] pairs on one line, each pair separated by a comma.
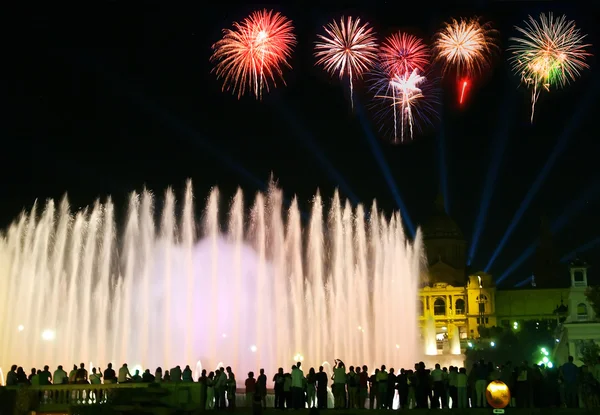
[[439, 307]]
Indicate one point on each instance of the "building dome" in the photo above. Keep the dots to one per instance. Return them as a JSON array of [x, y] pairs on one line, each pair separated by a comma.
[[445, 246], [440, 225]]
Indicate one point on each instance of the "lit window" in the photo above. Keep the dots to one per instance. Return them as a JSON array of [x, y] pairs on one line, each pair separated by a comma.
[[459, 306], [582, 313], [439, 307]]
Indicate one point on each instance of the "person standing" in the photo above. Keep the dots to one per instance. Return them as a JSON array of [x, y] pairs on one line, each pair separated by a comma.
[[363, 386], [322, 388], [261, 387], [278, 381], [250, 389], [297, 387]]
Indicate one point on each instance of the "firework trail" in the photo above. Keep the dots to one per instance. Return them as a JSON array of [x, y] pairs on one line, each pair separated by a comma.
[[401, 53], [550, 53], [466, 46], [348, 48], [254, 52]]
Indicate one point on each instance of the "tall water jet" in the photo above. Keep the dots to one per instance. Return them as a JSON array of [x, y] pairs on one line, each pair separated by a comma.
[[455, 341], [430, 340], [256, 293]]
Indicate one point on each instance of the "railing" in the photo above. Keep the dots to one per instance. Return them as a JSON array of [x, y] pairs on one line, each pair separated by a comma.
[[129, 396]]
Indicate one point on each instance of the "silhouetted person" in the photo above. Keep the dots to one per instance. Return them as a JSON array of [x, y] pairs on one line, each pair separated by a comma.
[[148, 377], [60, 376], [176, 374], [210, 391], [278, 381], [11, 376], [569, 374], [373, 389], [96, 377], [363, 386], [46, 376], [31, 375], [439, 393], [261, 387], [202, 380], [297, 387], [220, 388], [187, 374], [81, 377], [311, 388], [250, 389], [402, 387], [124, 375], [382, 386], [422, 388], [109, 374], [73, 374], [22, 376], [391, 389], [322, 389], [231, 387]]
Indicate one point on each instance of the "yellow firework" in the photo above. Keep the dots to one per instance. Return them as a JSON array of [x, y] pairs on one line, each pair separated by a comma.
[[466, 45]]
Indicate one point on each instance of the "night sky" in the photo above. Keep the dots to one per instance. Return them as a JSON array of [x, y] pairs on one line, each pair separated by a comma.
[[105, 100]]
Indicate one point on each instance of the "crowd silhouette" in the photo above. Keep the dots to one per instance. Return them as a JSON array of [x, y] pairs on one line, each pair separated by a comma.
[[355, 387]]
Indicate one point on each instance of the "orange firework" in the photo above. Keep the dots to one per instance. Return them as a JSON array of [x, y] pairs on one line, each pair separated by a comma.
[[465, 46], [254, 53]]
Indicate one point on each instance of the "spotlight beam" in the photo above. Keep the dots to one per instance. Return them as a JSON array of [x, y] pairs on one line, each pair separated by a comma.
[[557, 225], [498, 148], [561, 144], [385, 168], [441, 150], [307, 139], [184, 131], [585, 247], [523, 283]]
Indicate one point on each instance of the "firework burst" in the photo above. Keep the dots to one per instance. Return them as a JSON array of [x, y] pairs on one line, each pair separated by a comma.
[[401, 53], [253, 54], [465, 46], [349, 48], [551, 53], [409, 96]]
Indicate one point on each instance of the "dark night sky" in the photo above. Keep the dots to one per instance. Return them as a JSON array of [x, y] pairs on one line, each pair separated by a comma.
[[106, 99]]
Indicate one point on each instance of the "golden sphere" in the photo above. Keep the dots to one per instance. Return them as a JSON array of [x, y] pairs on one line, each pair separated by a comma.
[[497, 394]]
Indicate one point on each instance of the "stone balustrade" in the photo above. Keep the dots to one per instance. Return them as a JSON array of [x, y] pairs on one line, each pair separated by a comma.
[[62, 398]]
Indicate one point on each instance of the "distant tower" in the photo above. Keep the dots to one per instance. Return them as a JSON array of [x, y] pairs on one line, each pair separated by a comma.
[[547, 265], [580, 308]]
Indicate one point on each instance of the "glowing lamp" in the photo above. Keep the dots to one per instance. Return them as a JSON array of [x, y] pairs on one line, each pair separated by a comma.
[[48, 335], [497, 394], [21, 327]]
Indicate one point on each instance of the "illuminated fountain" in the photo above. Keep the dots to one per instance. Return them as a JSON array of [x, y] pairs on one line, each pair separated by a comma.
[[169, 291], [455, 341], [430, 340]]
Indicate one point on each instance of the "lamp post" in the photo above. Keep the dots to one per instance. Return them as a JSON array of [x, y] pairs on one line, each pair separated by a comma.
[[481, 309]]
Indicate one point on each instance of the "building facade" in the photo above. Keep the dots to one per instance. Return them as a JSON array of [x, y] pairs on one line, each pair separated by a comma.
[[460, 302]]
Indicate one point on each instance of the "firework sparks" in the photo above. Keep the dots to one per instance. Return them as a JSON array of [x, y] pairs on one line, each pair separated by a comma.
[[466, 46], [408, 96], [401, 53], [348, 49], [253, 54], [551, 53]]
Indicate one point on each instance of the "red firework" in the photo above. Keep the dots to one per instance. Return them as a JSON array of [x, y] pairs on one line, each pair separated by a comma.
[[402, 53], [253, 54]]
